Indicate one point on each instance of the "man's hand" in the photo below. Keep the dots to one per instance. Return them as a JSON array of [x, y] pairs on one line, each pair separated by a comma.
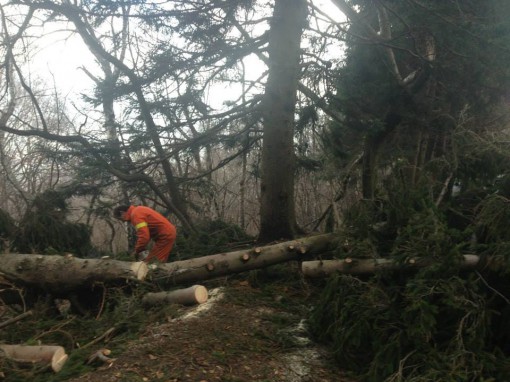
[[139, 256]]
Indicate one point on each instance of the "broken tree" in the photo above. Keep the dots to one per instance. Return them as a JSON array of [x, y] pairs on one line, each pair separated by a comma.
[[60, 273]]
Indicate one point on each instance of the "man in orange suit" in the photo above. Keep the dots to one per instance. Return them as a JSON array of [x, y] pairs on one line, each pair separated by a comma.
[[149, 225]]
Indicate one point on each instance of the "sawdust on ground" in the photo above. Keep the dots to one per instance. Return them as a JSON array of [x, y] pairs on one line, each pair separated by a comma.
[[242, 333]]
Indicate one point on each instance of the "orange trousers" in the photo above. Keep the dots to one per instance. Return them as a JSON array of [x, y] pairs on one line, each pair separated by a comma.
[[162, 247]]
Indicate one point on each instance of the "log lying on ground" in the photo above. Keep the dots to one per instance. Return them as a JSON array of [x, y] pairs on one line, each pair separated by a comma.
[[323, 268], [207, 267], [66, 272], [196, 294], [54, 356]]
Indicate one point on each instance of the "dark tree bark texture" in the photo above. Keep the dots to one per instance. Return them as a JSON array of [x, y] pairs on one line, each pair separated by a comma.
[[278, 162]]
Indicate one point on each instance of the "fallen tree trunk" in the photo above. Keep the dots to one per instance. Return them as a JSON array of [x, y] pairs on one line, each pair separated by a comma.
[[323, 268], [63, 273], [66, 272], [196, 294], [207, 267], [54, 356]]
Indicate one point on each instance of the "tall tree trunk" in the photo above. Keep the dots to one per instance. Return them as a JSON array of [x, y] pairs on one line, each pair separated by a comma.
[[368, 173], [242, 182], [277, 215]]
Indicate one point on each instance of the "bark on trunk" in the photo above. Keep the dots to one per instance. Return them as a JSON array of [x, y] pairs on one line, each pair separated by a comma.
[[54, 356], [277, 215], [196, 294], [62, 273], [323, 268], [203, 268], [56, 273]]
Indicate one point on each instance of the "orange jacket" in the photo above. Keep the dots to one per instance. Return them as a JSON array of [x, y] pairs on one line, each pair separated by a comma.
[[149, 224]]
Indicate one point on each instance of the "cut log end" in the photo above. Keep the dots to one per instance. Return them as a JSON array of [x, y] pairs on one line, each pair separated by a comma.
[[201, 294], [58, 360], [140, 270]]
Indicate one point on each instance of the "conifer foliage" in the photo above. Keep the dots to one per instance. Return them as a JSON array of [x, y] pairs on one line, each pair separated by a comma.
[[427, 98], [44, 228]]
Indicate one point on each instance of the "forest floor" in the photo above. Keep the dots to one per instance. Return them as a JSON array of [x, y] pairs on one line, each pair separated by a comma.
[[244, 332]]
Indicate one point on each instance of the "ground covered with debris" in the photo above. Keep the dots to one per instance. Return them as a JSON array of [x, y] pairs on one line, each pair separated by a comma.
[[244, 332], [252, 328]]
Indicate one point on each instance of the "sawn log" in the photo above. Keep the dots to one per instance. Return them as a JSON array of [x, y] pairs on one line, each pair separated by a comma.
[[54, 356], [208, 267], [196, 294], [54, 272], [62, 273]]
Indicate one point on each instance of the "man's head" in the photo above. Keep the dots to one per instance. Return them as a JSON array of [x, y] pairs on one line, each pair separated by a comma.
[[120, 211]]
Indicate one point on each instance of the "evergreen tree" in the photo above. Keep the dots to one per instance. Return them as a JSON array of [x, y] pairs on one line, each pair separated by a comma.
[[424, 88]]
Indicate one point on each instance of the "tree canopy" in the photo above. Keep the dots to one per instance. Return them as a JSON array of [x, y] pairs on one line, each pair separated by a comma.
[[384, 121]]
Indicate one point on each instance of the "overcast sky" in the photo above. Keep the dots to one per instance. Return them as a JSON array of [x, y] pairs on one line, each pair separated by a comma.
[[60, 56]]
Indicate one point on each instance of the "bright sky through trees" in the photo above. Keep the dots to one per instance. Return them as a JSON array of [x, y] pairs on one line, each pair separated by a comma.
[[61, 54]]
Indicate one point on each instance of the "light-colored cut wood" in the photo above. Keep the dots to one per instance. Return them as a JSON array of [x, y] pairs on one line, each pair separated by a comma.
[[55, 356], [196, 294]]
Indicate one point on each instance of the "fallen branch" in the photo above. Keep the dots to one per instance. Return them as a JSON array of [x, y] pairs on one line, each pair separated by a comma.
[[101, 337], [16, 319]]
